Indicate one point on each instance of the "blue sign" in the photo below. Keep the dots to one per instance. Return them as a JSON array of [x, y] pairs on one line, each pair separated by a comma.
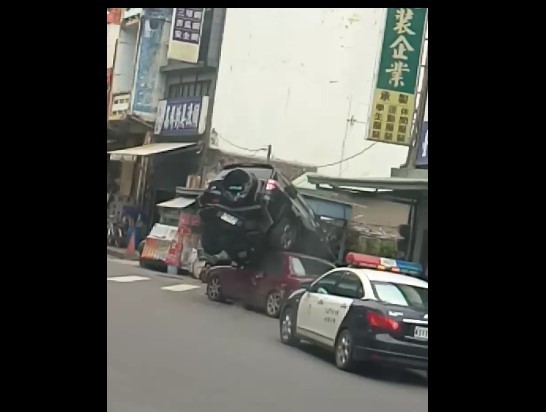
[[422, 147], [181, 117], [147, 83]]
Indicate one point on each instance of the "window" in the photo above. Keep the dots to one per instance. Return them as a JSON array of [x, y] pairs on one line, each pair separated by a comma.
[[327, 283], [262, 174], [401, 295], [349, 287], [189, 86], [303, 267], [273, 264], [424, 254]]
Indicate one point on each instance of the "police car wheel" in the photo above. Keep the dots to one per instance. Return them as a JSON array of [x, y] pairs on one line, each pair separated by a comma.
[[214, 289], [273, 304], [344, 351], [288, 327]]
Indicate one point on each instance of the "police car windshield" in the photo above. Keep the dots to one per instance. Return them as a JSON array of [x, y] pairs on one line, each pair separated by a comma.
[[401, 295]]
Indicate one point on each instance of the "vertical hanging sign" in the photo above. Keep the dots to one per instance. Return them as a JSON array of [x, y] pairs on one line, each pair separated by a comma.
[[186, 30], [394, 96], [422, 147]]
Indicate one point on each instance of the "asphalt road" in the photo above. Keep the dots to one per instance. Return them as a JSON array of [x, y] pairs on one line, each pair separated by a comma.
[[175, 351]]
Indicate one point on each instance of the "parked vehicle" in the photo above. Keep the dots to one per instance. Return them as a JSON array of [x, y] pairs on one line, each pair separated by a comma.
[[114, 233], [249, 208], [375, 311], [264, 286]]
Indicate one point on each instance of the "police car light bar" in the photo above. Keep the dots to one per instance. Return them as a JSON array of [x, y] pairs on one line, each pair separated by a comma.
[[379, 263]]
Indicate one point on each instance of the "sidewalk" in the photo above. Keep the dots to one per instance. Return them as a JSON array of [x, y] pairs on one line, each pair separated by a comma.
[[119, 253]]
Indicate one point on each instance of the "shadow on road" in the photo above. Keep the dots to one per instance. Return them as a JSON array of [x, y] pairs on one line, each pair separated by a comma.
[[400, 376]]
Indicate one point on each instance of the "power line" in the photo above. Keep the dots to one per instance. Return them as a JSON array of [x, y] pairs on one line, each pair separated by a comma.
[[240, 147], [325, 165], [350, 157]]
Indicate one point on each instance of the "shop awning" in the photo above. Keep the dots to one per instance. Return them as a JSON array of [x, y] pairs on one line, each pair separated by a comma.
[[178, 203], [147, 150], [378, 183]]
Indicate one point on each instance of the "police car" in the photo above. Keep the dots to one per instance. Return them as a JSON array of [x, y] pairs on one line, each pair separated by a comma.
[[375, 310]]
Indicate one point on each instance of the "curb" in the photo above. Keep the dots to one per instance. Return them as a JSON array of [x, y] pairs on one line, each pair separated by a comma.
[[119, 254]]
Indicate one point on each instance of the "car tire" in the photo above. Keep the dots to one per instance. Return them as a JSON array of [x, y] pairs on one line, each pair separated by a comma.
[[285, 234], [203, 275], [287, 326], [344, 351], [273, 304], [214, 289]]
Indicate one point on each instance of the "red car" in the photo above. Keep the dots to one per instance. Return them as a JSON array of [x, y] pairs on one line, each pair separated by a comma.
[[264, 287]]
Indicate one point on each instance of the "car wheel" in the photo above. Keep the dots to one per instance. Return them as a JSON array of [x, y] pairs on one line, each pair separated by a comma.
[[214, 289], [203, 274], [273, 304], [288, 327], [344, 351], [284, 235]]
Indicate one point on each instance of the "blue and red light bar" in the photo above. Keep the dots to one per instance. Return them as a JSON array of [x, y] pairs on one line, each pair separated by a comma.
[[361, 260]]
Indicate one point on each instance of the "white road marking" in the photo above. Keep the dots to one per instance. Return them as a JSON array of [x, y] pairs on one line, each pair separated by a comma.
[[123, 261], [127, 279], [180, 288]]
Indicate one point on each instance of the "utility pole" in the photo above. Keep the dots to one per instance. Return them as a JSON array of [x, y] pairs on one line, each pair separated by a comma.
[[143, 172], [268, 153]]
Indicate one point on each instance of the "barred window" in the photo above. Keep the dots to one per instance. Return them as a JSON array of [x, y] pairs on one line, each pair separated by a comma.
[[190, 88]]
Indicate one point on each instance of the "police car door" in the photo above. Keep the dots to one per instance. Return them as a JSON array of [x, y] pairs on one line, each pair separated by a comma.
[[338, 303], [312, 306]]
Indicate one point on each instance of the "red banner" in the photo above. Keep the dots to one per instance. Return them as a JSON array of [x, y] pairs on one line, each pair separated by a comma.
[[175, 251]]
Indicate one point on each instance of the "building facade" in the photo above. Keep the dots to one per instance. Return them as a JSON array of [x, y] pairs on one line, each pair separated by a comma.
[[162, 88], [192, 87], [304, 86]]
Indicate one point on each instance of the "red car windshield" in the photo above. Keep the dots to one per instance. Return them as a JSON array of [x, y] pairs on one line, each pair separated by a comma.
[[308, 268]]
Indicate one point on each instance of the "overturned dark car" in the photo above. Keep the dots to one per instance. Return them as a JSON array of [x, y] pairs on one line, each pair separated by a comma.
[[251, 208]]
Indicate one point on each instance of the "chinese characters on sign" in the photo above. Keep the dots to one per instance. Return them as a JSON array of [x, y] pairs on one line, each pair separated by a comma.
[[186, 31], [183, 116], [392, 117], [187, 25], [394, 97]]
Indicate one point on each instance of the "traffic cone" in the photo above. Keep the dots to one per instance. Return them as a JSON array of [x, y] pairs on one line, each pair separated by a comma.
[[131, 247]]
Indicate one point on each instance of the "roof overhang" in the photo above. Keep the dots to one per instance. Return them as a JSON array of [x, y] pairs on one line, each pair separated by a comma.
[[392, 189], [132, 153], [184, 191], [178, 203], [373, 183]]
